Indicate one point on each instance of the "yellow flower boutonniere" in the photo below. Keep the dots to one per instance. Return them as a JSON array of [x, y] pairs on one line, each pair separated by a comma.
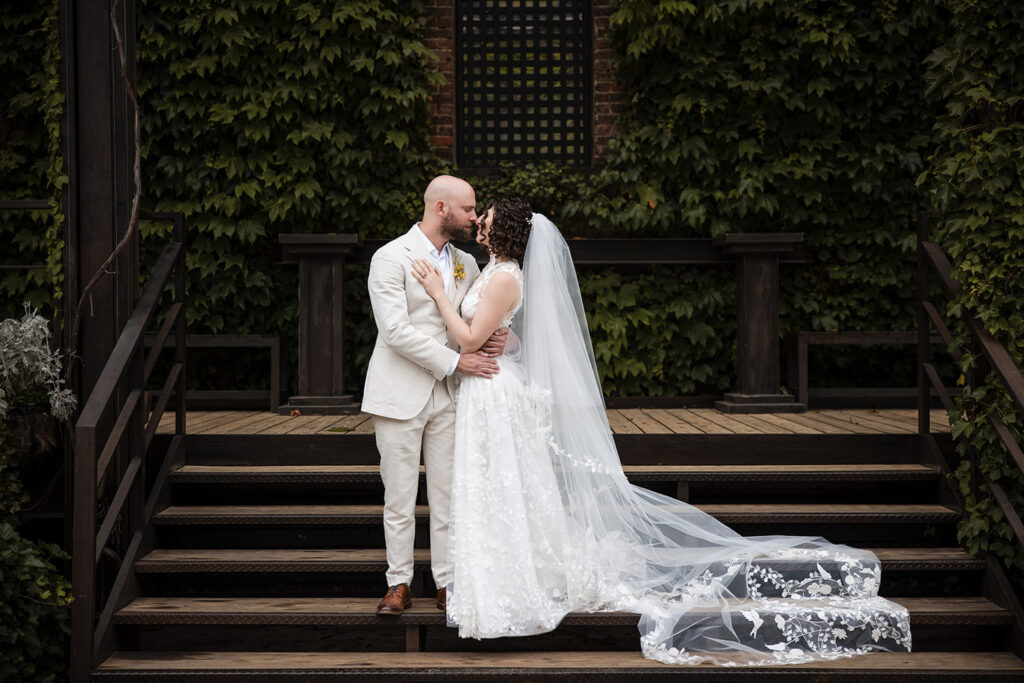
[[459, 273]]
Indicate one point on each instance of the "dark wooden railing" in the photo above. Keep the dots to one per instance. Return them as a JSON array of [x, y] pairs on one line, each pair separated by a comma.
[[756, 257], [111, 443], [931, 259], [23, 205]]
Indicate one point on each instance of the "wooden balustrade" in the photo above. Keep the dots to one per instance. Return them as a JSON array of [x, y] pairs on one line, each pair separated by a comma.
[[932, 260], [114, 456], [23, 205], [756, 256]]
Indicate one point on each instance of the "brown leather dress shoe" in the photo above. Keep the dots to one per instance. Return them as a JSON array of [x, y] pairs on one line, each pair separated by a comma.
[[398, 598], [442, 599]]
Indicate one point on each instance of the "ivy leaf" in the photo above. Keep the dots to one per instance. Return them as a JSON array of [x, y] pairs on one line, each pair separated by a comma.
[[398, 138]]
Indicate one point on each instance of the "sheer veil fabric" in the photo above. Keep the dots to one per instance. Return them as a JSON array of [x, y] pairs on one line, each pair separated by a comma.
[[704, 593]]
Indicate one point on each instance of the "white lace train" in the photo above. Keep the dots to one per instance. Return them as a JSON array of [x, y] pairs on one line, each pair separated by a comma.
[[544, 523]]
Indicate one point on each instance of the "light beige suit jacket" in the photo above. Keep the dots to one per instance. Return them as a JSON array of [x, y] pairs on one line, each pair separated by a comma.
[[413, 348]]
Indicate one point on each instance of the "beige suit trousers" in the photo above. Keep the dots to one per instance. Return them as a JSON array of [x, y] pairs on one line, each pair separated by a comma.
[[400, 443]]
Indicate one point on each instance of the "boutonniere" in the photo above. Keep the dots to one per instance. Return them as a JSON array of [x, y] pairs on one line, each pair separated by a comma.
[[458, 272]]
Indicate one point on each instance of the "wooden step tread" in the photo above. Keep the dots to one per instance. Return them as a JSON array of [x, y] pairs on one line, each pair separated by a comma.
[[368, 560], [354, 611], [726, 513], [371, 473], [630, 421], [448, 663]]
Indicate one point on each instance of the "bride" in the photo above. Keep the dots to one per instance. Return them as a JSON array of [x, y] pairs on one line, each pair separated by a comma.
[[544, 522]]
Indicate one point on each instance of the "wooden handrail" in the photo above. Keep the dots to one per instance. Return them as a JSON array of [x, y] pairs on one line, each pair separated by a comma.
[[1004, 504], [931, 258], [943, 268], [123, 417], [161, 403], [96, 459], [1011, 444], [129, 340], [996, 352], [25, 204], [941, 328], [614, 251], [940, 389], [107, 615], [161, 336], [123, 489], [1001, 361]]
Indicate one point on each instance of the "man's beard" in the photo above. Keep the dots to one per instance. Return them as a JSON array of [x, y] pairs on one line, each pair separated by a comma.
[[451, 229]]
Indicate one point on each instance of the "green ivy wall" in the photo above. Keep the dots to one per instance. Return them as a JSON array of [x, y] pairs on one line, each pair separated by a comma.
[[262, 118], [31, 165], [779, 116]]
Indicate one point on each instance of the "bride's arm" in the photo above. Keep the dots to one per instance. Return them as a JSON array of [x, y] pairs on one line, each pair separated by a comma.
[[499, 296]]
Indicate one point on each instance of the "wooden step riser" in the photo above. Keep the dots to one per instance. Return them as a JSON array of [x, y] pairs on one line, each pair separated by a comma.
[[971, 611], [392, 637], [571, 664], [718, 475], [254, 577], [638, 449], [720, 675], [371, 583], [877, 535], [334, 515], [765, 492]]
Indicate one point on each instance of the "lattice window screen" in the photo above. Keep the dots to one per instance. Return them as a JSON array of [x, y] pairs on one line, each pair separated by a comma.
[[523, 81]]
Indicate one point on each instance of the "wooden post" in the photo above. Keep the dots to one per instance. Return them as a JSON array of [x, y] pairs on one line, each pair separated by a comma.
[[321, 260], [99, 149], [415, 637], [757, 345], [923, 331], [83, 564]]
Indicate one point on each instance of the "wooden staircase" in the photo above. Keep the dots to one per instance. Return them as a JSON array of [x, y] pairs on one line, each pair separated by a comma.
[[267, 562]]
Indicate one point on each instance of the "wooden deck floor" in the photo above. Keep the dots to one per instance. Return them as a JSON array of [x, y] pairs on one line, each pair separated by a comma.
[[632, 421]]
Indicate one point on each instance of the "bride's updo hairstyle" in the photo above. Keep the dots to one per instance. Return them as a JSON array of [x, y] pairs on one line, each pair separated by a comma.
[[510, 226]]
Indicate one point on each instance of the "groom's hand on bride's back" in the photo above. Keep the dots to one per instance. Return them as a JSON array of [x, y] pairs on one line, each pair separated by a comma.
[[495, 345], [477, 365]]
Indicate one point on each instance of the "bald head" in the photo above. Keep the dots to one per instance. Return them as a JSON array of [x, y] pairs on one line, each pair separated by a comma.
[[449, 209], [445, 188]]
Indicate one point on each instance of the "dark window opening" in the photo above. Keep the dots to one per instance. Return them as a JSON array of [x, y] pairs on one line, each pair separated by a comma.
[[522, 81]]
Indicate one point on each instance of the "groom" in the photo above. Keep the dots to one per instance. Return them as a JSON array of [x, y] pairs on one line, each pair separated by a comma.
[[409, 381]]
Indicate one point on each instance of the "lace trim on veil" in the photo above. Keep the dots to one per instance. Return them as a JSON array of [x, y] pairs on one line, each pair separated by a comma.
[[704, 592]]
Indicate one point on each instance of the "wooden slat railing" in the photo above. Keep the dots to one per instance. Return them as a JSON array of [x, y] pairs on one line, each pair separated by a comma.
[[23, 205], [111, 454], [932, 260]]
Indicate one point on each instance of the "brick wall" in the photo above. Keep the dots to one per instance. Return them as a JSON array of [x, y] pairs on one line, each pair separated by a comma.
[[440, 37], [608, 98], [607, 95]]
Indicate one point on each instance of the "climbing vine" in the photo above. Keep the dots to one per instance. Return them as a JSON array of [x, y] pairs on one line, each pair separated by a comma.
[[786, 116], [31, 163]]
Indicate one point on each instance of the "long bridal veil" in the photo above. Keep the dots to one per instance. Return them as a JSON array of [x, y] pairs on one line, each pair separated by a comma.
[[703, 592]]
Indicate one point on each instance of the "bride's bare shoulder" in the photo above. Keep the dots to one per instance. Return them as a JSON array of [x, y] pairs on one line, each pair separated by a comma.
[[502, 285]]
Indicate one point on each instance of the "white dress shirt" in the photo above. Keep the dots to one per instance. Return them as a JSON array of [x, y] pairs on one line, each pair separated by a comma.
[[443, 260]]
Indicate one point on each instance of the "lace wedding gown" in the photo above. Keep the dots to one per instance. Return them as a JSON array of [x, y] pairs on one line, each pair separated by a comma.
[[508, 534], [543, 521]]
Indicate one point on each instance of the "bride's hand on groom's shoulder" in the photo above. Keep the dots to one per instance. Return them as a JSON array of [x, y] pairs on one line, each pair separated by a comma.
[[429, 276], [476, 364]]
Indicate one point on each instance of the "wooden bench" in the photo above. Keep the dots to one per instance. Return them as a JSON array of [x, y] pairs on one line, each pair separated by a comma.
[[195, 398]]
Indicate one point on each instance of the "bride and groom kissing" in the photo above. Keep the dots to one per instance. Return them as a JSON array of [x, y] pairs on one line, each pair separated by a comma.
[[531, 516]]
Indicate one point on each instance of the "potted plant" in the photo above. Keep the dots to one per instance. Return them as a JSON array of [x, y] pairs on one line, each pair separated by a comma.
[[34, 592]]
